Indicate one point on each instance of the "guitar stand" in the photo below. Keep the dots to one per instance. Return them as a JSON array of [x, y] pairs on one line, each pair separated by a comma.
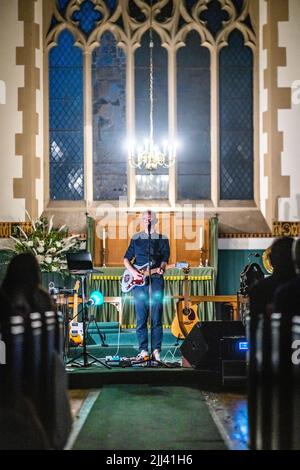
[[102, 336], [65, 314], [85, 355]]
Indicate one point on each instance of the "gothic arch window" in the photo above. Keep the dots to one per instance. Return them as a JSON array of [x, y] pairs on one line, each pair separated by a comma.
[[236, 119], [151, 185], [204, 77], [109, 120], [193, 120], [66, 119]]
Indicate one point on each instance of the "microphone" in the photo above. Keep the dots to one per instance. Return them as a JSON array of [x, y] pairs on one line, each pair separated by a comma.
[[52, 290], [96, 298], [51, 287], [149, 226]]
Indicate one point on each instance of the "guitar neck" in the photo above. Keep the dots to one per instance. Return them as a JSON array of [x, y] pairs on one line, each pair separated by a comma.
[[153, 271], [186, 289], [145, 271], [75, 301]]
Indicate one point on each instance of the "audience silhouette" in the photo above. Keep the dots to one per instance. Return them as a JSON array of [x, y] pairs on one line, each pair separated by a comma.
[[22, 288], [34, 403], [262, 293], [287, 298]]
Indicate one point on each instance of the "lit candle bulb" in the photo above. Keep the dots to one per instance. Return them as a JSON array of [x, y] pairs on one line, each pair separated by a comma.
[[103, 236], [201, 238]]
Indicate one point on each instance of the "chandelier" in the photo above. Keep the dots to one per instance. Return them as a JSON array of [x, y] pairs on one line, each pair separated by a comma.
[[150, 155]]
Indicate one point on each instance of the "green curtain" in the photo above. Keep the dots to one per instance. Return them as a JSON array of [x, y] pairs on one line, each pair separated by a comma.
[[90, 235], [6, 256], [60, 280], [231, 264], [202, 282], [213, 243]]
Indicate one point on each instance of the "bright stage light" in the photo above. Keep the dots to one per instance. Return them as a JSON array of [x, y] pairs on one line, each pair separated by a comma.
[[96, 298]]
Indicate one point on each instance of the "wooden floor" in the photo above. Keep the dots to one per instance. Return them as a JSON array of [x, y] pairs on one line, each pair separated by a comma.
[[229, 410]]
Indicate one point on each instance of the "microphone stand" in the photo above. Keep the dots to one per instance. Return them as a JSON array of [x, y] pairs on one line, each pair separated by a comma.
[[150, 287], [150, 298]]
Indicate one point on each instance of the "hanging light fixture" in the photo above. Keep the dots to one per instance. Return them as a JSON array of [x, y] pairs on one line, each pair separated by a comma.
[[150, 156]]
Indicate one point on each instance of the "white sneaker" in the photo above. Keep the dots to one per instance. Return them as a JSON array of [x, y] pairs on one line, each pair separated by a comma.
[[142, 356], [156, 355]]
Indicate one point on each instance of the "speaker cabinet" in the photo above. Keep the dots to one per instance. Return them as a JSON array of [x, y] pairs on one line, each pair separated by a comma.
[[201, 348], [233, 371]]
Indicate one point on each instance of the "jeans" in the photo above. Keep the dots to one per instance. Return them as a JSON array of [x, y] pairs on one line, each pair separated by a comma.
[[141, 302]]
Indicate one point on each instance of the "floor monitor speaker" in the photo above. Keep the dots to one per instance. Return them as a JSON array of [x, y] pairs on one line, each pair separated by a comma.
[[201, 348]]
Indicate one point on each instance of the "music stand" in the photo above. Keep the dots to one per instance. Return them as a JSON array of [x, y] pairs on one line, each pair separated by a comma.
[[81, 264]]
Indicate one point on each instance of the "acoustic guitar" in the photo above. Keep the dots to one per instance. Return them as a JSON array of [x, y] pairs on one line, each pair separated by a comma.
[[76, 327], [187, 313]]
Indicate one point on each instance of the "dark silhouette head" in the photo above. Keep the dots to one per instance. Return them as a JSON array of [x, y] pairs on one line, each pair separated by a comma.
[[281, 256], [296, 255], [23, 273]]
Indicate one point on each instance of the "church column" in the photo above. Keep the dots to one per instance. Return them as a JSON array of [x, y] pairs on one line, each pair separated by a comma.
[[25, 186], [11, 78], [278, 98]]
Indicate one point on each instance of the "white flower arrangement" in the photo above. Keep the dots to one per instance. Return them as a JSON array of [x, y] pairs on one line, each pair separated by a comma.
[[47, 243]]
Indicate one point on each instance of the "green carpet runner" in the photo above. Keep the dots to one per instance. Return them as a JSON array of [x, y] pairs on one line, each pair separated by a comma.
[[147, 417]]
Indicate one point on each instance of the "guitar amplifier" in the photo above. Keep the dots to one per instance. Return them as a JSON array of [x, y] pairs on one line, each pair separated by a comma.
[[233, 356], [233, 372]]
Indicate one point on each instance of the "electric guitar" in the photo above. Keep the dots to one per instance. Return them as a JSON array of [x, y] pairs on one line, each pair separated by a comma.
[[76, 327], [187, 313], [128, 282]]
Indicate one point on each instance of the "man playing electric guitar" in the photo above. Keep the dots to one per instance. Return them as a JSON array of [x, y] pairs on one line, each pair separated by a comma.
[[137, 253]]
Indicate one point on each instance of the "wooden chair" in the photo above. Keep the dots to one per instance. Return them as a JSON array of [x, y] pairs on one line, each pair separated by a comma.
[[263, 384], [296, 385], [33, 360], [12, 372], [281, 381]]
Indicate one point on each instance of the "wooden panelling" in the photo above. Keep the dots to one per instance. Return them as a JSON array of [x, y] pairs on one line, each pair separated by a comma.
[[183, 235]]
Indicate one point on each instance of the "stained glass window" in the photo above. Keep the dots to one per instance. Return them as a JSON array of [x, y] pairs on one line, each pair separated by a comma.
[[236, 119], [193, 114], [108, 97], [151, 185], [214, 15], [189, 4], [109, 120], [66, 120], [62, 4], [87, 17], [238, 5]]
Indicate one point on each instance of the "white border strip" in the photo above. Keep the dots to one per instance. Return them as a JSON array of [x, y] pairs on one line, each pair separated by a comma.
[[244, 243], [80, 420], [222, 430]]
